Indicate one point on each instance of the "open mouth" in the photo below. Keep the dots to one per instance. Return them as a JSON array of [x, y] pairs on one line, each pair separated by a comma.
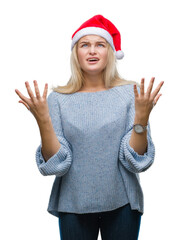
[[93, 59]]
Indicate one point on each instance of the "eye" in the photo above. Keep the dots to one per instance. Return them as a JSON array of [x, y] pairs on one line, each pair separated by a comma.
[[101, 45], [84, 45]]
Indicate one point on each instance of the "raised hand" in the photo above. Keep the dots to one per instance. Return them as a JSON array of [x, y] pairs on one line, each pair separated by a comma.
[[36, 104], [144, 102]]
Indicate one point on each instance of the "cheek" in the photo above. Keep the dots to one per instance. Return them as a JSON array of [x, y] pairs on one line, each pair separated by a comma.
[[80, 56], [104, 53], [105, 56]]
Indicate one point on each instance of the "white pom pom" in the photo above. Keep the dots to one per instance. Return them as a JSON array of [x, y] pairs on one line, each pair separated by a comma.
[[119, 54]]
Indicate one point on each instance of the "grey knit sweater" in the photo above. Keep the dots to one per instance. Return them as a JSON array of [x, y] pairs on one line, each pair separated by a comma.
[[95, 168]]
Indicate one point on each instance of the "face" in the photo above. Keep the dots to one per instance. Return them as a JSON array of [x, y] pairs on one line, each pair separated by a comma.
[[92, 52]]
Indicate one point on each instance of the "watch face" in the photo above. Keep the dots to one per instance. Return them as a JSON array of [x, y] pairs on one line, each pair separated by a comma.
[[138, 128]]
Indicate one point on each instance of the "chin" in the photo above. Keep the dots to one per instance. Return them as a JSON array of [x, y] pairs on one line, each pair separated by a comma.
[[93, 70]]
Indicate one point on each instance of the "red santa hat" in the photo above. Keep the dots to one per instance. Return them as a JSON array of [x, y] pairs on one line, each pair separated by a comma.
[[98, 25]]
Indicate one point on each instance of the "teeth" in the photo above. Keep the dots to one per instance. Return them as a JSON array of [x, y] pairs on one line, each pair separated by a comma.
[[93, 59]]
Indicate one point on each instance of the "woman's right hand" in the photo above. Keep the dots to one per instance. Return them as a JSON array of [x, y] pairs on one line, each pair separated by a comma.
[[37, 105]]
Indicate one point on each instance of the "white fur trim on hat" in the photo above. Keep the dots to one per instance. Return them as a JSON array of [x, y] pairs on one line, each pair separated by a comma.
[[93, 31]]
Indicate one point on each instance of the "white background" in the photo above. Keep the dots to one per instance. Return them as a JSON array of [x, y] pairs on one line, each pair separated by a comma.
[[35, 44]]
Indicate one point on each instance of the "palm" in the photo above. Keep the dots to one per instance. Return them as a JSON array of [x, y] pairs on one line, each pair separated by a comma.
[[144, 102], [36, 104]]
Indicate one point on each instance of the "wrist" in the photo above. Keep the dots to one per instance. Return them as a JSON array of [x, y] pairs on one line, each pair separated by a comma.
[[141, 120], [44, 121]]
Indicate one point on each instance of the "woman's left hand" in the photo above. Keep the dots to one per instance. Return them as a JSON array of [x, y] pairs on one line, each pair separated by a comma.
[[144, 102]]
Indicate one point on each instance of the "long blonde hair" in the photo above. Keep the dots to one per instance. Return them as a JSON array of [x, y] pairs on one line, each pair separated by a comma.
[[111, 76]]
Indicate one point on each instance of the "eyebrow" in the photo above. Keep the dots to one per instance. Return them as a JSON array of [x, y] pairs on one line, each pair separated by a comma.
[[96, 42]]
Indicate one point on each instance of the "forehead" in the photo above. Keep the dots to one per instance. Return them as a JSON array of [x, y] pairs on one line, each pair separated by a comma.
[[89, 38]]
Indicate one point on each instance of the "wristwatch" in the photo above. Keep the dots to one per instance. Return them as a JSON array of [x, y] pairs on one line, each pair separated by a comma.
[[138, 128]]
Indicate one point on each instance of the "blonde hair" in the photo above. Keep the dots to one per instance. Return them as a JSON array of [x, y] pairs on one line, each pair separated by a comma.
[[110, 75]]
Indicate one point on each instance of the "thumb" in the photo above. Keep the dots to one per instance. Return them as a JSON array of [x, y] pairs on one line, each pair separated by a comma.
[[25, 104]]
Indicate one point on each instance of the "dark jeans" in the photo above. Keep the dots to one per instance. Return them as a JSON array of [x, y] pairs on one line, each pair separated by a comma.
[[119, 224]]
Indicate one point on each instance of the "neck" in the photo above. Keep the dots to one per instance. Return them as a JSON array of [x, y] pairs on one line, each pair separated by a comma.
[[93, 82]]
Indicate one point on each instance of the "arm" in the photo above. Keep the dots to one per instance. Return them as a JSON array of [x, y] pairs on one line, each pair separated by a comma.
[[137, 150], [144, 103], [56, 147], [139, 141], [50, 143], [54, 155], [132, 160]]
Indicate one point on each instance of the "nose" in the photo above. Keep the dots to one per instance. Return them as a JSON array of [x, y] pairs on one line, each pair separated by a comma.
[[92, 49]]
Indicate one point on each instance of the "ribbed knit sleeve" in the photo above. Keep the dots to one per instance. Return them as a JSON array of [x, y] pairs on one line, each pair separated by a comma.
[[60, 162], [130, 159]]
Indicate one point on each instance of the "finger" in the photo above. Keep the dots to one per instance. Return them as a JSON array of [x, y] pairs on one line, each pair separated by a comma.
[[25, 99], [25, 104], [135, 91], [37, 92], [142, 87], [29, 90], [157, 98], [149, 89], [155, 92], [45, 90]]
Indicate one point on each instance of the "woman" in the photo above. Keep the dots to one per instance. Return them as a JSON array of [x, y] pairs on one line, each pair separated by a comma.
[[95, 138]]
